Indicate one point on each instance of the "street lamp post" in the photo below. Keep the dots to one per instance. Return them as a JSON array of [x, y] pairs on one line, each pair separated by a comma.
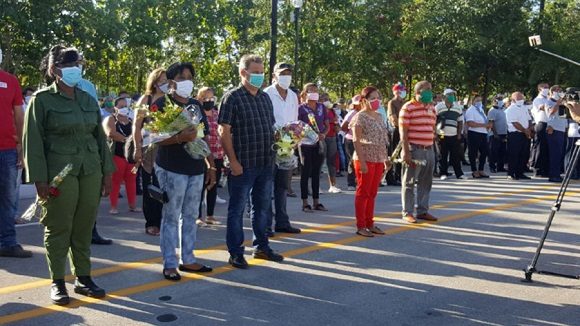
[[297, 5], [274, 38]]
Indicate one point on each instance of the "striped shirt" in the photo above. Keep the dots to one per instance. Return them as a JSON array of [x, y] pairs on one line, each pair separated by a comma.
[[420, 120]]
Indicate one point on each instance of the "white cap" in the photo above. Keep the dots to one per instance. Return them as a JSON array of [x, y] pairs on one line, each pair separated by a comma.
[[448, 91]]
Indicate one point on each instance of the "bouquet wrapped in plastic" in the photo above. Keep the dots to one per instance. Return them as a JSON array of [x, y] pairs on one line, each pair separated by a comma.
[[395, 157], [287, 138], [160, 126], [35, 210]]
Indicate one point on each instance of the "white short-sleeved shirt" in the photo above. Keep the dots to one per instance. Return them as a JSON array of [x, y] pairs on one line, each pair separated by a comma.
[[537, 114], [473, 114], [573, 130], [519, 114], [285, 110]]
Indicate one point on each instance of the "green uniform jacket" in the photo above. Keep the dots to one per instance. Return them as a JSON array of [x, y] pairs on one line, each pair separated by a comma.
[[59, 130]]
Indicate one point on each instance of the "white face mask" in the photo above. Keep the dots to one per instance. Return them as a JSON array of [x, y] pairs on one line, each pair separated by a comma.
[[184, 88], [403, 94], [124, 111], [557, 96], [520, 102], [327, 104], [313, 96], [164, 88], [128, 100], [544, 92], [284, 81]]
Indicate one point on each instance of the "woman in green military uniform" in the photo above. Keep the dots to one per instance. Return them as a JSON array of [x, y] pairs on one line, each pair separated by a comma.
[[62, 126]]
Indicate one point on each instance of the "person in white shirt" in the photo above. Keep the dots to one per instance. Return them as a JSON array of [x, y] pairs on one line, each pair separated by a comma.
[[573, 106], [478, 126], [519, 131], [539, 157], [556, 133], [285, 103]]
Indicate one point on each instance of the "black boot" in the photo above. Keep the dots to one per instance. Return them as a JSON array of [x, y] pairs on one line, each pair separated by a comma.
[[97, 239], [58, 293], [84, 285]]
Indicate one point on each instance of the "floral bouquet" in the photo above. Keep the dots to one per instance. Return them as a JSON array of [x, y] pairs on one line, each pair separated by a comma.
[[35, 210], [287, 138], [395, 157], [160, 126]]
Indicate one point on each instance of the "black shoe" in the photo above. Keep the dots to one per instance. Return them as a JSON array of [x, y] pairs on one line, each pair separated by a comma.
[[523, 177], [202, 269], [58, 293], [98, 240], [15, 252], [268, 255], [558, 179], [238, 261], [84, 285], [288, 229], [270, 233], [493, 170]]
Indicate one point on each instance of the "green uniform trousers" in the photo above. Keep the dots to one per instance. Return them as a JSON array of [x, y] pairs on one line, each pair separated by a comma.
[[68, 220]]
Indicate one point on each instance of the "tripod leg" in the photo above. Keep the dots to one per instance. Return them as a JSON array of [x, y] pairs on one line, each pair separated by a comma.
[[555, 208]]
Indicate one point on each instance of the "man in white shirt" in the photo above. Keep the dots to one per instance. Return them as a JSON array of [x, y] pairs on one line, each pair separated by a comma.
[[519, 131], [539, 157], [478, 125], [285, 103]]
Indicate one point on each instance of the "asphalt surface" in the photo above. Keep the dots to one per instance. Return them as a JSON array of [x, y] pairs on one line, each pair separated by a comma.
[[465, 269]]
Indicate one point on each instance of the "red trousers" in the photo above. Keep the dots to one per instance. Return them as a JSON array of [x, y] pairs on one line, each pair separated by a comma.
[[123, 174], [367, 187]]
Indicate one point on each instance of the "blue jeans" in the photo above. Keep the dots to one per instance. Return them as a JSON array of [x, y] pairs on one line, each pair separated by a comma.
[[179, 215], [257, 183], [280, 196], [8, 197], [556, 143]]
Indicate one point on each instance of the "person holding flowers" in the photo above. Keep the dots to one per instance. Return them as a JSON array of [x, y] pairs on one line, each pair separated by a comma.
[[314, 114], [62, 127], [370, 137], [181, 176]]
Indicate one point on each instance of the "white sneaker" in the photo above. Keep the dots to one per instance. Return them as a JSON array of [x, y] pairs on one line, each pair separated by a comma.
[[443, 177], [334, 190], [219, 200]]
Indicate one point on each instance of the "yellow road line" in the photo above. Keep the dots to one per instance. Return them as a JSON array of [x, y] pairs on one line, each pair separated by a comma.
[[75, 303], [138, 264]]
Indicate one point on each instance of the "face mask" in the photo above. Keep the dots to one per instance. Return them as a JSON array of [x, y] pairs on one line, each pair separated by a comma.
[[128, 100], [71, 76], [478, 105], [426, 96], [256, 80], [557, 96], [500, 104], [375, 104], [184, 88], [284, 81], [451, 98], [544, 92], [313, 96], [207, 105], [520, 102], [403, 94], [164, 88], [327, 104], [124, 111], [109, 104]]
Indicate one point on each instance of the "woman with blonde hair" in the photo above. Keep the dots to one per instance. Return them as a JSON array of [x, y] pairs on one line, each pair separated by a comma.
[[156, 88]]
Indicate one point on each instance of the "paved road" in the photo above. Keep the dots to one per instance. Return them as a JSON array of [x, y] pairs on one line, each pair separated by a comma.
[[465, 269]]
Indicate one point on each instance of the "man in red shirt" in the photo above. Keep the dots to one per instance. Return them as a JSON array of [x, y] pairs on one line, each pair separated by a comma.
[[11, 123], [417, 128]]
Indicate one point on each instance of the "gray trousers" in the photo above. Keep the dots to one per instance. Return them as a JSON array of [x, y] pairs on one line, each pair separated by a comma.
[[423, 175]]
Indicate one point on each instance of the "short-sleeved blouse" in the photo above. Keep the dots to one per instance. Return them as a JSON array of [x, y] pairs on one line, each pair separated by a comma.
[[373, 137]]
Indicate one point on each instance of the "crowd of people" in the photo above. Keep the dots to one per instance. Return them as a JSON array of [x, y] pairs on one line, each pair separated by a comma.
[[404, 141]]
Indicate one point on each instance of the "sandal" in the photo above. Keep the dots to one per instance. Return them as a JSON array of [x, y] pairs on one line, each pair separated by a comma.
[[171, 276], [307, 209], [152, 230], [320, 207]]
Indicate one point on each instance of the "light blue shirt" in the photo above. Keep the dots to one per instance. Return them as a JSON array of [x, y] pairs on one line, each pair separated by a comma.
[[555, 121]]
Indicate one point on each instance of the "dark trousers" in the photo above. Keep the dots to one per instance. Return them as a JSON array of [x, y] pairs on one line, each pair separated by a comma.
[[477, 143], [450, 148], [151, 207], [497, 156], [556, 150], [539, 157], [311, 165], [517, 159], [394, 174], [211, 196], [280, 198], [351, 179]]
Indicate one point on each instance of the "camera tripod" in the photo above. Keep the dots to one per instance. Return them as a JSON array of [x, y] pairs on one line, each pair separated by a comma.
[[531, 269]]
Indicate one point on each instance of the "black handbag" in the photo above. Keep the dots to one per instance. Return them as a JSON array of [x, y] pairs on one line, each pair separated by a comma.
[[129, 150], [158, 194]]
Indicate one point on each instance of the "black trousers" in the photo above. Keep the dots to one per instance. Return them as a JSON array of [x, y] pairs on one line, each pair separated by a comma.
[[477, 143], [539, 157], [349, 145], [394, 174], [211, 196], [517, 158], [311, 165], [497, 156], [151, 207], [451, 151]]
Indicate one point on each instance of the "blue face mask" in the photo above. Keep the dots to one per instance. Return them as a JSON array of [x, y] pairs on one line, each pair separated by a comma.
[[478, 105], [71, 76], [256, 80]]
